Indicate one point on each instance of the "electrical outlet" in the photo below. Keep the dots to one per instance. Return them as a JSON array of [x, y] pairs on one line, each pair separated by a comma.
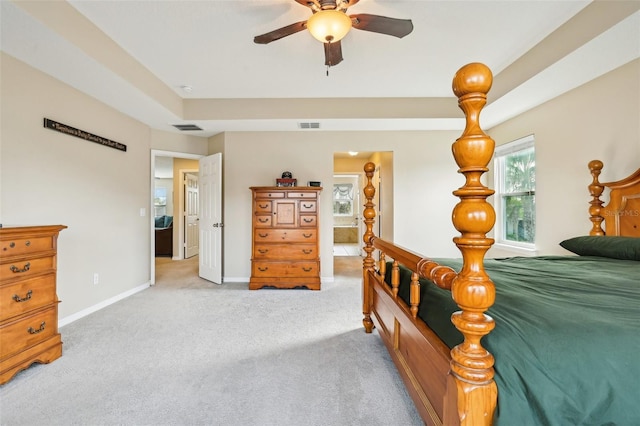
[[96, 278]]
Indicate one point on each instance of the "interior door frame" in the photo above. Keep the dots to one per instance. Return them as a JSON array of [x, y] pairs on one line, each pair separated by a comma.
[[152, 240], [182, 229]]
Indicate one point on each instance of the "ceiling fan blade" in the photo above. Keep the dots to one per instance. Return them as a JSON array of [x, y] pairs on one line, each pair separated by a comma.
[[382, 24], [332, 53], [344, 4], [280, 33], [310, 3]]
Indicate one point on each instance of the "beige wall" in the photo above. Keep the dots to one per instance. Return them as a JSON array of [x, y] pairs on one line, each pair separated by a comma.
[[600, 120], [52, 178], [309, 156]]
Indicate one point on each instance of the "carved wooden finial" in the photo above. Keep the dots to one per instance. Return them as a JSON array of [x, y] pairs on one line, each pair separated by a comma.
[[473, 217], [369, 215], [595, 189]]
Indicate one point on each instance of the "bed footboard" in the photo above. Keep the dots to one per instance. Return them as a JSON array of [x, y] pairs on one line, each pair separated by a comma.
[[448, 386]]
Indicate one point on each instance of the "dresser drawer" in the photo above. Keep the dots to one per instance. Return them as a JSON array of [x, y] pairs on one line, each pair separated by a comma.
[[263, 221], [26, 268], [263, 206], [274, 194], [285, 235], [21, 334], [308, 206], [302, 195], [26, 245], [27, 295], [285, 269], [308, 221], [285, 251]]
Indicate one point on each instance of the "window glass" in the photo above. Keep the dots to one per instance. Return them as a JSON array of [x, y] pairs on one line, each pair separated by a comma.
[[343, 199], [515, 175]]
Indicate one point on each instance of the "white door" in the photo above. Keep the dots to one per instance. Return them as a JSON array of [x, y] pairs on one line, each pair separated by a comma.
[[191, 215], [210, 190]]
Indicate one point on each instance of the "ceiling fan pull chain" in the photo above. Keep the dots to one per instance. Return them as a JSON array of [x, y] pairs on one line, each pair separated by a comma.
[[328, 66]]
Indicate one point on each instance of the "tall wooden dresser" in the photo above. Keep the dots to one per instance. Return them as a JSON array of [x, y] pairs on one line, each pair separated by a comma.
[[28, 299], [285, 243]]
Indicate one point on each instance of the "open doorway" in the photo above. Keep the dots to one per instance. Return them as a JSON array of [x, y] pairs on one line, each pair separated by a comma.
[[171, 175], [347, 214], [348, 184]]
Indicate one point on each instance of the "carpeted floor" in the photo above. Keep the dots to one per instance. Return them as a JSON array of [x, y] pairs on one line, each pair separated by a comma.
[[188, 352]]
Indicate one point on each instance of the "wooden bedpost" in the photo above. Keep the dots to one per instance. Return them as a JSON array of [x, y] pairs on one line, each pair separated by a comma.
[[595, 189], [471, 364], [369, 215]]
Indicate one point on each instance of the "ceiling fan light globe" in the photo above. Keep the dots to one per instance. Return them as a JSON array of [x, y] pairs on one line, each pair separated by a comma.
[[329, 25]]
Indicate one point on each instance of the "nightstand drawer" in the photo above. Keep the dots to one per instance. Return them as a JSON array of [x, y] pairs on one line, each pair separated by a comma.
[[27, 295]]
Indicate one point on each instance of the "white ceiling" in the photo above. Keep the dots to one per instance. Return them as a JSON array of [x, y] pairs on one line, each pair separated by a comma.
[[208, 45]]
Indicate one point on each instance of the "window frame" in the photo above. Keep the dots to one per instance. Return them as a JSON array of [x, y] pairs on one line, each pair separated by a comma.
[[499, 179]]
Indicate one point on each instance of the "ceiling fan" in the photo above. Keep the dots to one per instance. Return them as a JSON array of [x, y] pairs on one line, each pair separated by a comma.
[[329, 23]]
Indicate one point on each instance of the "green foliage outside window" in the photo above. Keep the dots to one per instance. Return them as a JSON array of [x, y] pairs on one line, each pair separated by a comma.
[[518, 200]]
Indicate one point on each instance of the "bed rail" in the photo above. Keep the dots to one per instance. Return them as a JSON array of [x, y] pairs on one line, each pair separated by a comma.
[[471, 390]]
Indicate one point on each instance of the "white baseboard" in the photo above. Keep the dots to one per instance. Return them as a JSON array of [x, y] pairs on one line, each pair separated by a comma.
[[235, 279], [83, 313], [327, 279]]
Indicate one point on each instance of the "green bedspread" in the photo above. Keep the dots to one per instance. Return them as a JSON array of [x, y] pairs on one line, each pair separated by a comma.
[[566, 341]]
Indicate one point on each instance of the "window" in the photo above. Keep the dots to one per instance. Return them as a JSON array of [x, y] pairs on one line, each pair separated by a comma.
[[343, 199], [515, 184], [160, 201]]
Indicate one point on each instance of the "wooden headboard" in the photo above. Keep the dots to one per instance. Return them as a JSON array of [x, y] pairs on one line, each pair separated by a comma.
[[622, 215]]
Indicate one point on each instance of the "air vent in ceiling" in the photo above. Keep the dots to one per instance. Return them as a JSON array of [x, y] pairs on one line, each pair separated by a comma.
[[312, 125], [186, 127]]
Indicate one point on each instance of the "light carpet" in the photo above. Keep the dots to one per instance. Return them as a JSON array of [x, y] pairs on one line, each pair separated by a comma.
[[189, 352]]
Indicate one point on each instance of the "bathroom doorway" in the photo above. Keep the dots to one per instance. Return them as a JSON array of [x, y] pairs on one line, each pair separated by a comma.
[[347, 214], [348, 206]]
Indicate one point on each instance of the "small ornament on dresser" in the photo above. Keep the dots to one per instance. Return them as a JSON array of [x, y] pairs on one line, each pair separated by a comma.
[[286, 180]]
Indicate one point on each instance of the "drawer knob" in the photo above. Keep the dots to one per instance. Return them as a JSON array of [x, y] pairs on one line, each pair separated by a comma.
[[22, 299], [263, 220], [32, 330], [307, 235], [307, 220], [266, 268], [17, 270], [307, 269], [307, 251], [263, 235], [263, 206], [307, 206], [263, 251]]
